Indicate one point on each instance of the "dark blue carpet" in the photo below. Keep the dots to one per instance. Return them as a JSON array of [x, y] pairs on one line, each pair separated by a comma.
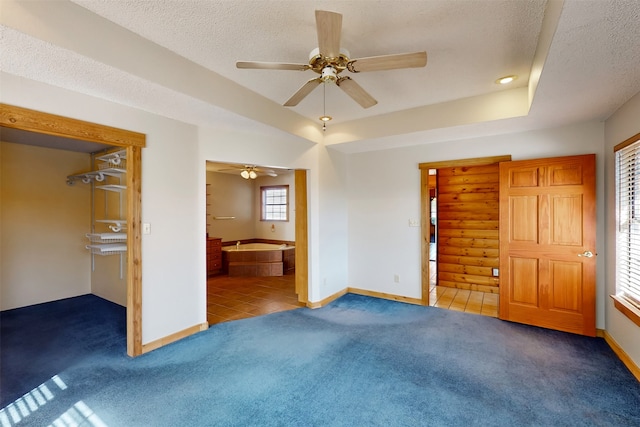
[[359, 361]]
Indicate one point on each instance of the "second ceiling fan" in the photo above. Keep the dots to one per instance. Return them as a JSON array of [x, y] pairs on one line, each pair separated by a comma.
[[329, 60]]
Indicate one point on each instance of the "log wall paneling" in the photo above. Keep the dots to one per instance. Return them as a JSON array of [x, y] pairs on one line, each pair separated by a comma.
[[468, 227]]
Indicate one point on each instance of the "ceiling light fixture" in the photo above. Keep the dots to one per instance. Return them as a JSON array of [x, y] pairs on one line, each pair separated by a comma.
[[506, 80], [249, 173], [324, 118]]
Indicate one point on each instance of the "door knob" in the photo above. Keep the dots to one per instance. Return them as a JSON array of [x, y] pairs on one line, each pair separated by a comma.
[[586, 254]]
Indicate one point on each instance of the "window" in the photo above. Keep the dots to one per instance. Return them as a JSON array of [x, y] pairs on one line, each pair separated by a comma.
[[627, 298], [275, 203]]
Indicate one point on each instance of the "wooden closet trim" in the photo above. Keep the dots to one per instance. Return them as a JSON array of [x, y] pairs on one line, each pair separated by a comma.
[[50, 124], [425, 208]]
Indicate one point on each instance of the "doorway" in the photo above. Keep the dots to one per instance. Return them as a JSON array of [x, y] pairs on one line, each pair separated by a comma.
[[460, 218], [49, 125], [234, 200]]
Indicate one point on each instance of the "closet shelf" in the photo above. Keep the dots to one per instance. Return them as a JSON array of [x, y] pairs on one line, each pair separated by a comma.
[[117, 224], [107, 248], [107, 237], [114, 158], [99, 175], [112, 187]]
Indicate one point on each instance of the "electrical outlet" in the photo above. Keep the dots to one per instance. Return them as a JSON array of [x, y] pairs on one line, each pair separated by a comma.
[[396, 278], [414, 223], [495, 272]]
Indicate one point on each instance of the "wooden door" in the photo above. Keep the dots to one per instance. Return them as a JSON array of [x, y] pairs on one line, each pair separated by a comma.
[[547, 243]]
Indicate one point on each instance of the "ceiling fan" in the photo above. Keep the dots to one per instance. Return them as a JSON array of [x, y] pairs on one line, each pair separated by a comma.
[[248, 171], [329, 60]]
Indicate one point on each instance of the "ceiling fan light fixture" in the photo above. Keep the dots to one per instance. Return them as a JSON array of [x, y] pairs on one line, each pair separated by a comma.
[[253, 175], [245, 174], [506, 79]]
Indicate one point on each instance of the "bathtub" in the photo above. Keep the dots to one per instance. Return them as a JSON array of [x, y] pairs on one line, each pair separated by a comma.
[[257, 247], [257, 259]]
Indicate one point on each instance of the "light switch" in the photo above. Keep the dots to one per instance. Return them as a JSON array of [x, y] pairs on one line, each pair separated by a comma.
[[146, 228]]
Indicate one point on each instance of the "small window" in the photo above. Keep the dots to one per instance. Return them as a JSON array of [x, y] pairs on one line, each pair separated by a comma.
[[275, 203], [628, 226]]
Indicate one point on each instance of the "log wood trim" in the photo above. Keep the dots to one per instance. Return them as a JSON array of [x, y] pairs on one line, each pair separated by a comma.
[[50, 124], [425, 207]]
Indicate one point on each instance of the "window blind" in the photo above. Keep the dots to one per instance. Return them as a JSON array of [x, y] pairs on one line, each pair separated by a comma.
[[628, 219]]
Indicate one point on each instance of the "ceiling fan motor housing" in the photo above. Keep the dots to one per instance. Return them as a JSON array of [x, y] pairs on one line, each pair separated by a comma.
[[318, 63], [329, 74]]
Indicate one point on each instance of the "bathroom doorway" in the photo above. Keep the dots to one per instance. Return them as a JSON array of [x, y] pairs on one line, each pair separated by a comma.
[[235, 218]]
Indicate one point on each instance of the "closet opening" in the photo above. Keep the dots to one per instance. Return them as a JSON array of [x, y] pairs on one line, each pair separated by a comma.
[[52, 131]]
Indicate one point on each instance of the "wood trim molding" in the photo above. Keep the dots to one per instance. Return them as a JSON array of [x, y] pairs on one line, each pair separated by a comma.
[[154, 345], [134, 252], [327, 300], [624, 357], [425, 223], [626, 308], [50, 124], [356, 291], [302, 239], [627, 142], [383, 295], [478, 161], [425, 208]]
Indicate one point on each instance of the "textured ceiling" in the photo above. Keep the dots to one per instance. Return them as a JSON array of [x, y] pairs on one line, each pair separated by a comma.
[[177, 58], [469, 44]]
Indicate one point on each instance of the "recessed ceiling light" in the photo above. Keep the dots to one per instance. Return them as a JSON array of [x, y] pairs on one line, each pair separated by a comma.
[[506, 80]]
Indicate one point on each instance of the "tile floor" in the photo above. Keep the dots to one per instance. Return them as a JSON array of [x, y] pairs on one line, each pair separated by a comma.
[[474, 302], [233, 298]]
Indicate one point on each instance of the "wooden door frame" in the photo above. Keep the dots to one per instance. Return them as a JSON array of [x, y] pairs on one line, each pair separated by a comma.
[[425, 207], [301, 236], [44, 123]]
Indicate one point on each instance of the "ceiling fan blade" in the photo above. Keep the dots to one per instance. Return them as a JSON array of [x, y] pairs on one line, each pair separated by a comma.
[[329, 25], [355, 91], [272, 66], [388, 62], [302, 92]]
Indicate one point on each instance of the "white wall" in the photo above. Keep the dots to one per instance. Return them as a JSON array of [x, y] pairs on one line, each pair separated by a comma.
[[173, 185], [333, 227], [278, 149], [622, 125], [275, 230], [173, 202], [43, 226], [230, 195], [384, 193]]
